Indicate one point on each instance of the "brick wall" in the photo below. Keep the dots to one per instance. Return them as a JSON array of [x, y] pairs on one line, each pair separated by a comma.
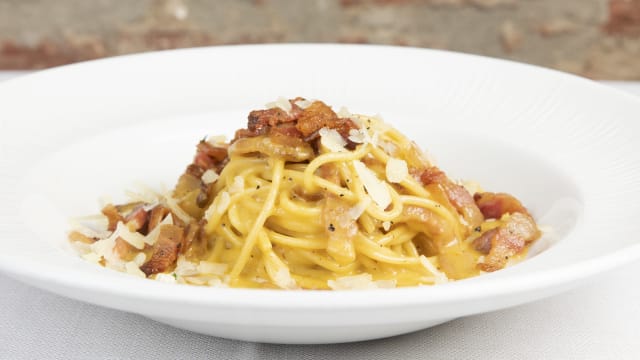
[[594, 38]]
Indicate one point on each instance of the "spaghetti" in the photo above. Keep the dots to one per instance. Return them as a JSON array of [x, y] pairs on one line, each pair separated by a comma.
[[307, 198]]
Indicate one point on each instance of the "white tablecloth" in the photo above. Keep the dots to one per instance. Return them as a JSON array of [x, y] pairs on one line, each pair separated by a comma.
[[597, 321]]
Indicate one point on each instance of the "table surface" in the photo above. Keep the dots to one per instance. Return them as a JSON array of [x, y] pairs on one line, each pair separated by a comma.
[[597, 321]]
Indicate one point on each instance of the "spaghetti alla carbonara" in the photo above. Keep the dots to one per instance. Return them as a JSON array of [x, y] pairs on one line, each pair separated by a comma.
[[307, 198]]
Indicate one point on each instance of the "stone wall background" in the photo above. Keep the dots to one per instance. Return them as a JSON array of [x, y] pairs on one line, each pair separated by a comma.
[[595, 38]]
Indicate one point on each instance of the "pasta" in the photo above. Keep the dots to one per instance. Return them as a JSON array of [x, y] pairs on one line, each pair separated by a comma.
[[306, 198]]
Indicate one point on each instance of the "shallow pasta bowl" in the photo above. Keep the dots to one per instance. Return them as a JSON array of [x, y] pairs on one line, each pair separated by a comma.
[[564, 145]]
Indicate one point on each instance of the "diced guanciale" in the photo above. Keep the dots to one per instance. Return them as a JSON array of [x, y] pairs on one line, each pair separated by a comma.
[[165, 250]]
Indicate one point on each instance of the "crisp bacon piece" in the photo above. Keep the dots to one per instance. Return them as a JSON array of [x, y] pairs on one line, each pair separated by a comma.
[[319, 115], [113, 216], [458, 196], [165, 250], [210, 157], [483, 242], [315, 117], [287, 130], [505, 241], [261, 120], [494, 205], [157, 214], [137, 219]]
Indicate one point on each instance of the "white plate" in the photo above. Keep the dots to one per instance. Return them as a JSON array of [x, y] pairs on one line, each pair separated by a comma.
[[564, 145]]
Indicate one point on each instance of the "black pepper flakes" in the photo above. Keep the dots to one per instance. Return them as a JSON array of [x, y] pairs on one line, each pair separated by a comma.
[[331, 228], [477, 229]]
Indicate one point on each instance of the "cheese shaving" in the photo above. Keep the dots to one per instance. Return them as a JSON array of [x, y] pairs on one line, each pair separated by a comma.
[[376, 188], [207, 267], [303, 104], [332, 140], [152, 236], [281, 103], [356, 211], [210, 176], [396, 170]]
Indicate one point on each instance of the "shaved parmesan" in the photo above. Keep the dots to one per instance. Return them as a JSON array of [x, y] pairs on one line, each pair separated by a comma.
[[93, 228], [134, 238], [281, 103], [152, 236], [209, 177], [356, 211], [385, 284], [165, 278], [237, 185], [388, 147], [386, 225], [219, 205], [217, 283], [185, 267], [332, 140], [225, 201], [104, 248], [217, 140], [396, 170], [283, 279], [440, 277], [376, 188], [133, 269], [303, 104], [140, 259], [344, 113], [207, 267], [360, 282], [172, 204], [91, 257]]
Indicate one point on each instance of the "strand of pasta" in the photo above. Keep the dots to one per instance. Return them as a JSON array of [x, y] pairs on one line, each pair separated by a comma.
[[278, 166], [325, 158]]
